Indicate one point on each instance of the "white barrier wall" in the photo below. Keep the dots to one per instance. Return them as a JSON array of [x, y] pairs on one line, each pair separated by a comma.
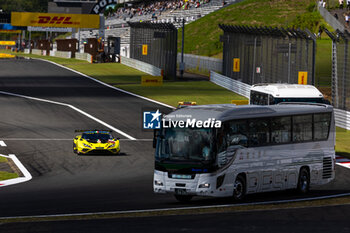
[[201, 63], [62, 54], [142, 66], [27, 51], [81, 56], [37, 52], [342, 117], [230, 84]]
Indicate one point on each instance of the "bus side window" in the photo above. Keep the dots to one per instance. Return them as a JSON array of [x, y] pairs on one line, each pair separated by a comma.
[[322, 122], [238, 133], [263, 99], [259, 132], [222, 138], [254, 97], [302, 128], [281, 130], [271, 100]]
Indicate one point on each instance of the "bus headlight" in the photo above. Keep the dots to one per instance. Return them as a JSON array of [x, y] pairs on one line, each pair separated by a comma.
[[158, 182], [206, 185]]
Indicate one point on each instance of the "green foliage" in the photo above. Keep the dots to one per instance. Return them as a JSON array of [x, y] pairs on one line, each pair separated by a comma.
[[311, 7], [309, 20], [202, 36]]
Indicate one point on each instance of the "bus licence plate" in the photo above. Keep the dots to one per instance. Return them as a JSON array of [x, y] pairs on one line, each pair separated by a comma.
[[180, 191]]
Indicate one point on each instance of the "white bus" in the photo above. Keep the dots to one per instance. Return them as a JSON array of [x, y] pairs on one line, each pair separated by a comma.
[[256, 149], [269, 94]]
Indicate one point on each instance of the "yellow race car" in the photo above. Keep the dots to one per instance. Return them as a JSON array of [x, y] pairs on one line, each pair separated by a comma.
[[95, 142]]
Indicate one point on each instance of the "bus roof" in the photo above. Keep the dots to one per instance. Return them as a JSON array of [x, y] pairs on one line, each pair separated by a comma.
[[285, 90], [225, 112]]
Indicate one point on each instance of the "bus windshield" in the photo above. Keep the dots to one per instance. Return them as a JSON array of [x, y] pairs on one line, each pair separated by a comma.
[[185, 144]]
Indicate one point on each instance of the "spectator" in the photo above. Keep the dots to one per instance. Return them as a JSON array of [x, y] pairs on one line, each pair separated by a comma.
[[336, 16], [347, 19]]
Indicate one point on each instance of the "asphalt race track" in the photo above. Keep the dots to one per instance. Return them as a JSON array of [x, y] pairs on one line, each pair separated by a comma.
[[40, 134]]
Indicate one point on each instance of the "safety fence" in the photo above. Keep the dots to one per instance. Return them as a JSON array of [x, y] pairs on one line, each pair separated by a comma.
[[142, 66], [201, 63], [340, 69], [342, 117], [155, 44], [264, 54]]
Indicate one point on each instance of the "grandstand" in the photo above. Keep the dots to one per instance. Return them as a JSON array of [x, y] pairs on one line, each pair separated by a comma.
[[118, 27]]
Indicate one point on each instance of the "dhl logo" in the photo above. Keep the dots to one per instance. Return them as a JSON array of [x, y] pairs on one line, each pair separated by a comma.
[[54, 20]]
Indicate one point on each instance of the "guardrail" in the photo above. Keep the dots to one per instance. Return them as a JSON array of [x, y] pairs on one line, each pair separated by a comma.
[[342, 117], [142, 66], [201, 63], [230, 84]]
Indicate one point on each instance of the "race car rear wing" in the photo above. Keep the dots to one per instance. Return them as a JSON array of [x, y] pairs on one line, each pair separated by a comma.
[[90, 130]]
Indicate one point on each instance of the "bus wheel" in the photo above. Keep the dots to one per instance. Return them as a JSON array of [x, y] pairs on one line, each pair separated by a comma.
[[183, 198], [303, 181], [239, 188]]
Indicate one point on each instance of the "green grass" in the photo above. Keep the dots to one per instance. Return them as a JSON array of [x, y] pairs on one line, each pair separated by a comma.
[[324, 62], [202, 36], [202, 92], [342, 145], [7, 175], [111, 73], [3, 159]]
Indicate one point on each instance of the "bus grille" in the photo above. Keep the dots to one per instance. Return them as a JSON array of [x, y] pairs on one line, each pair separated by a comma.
[[327, 168]]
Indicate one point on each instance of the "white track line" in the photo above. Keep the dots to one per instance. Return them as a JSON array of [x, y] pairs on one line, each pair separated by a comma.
[[180, 208], [74, 108], [27, 175], [107, 85], [2, 143]]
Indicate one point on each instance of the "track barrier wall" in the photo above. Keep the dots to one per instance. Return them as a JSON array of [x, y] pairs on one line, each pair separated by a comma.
[[201, 63], [37, 52], [142, 66]]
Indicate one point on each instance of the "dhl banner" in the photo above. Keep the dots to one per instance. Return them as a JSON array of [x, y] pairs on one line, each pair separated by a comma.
[[302, 77], [55, 20], [236, 65], [8, 43], [149, 80], [144, 49]]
